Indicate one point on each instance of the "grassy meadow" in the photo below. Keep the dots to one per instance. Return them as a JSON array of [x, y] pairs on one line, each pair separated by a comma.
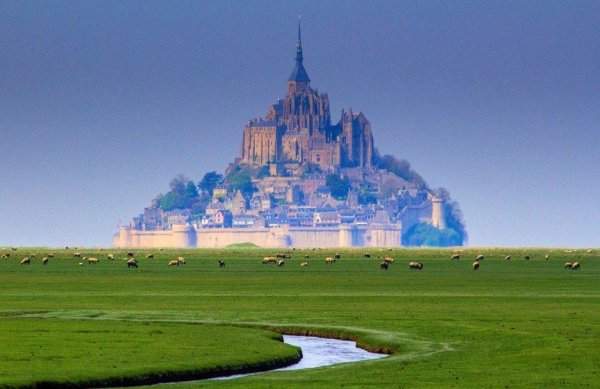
[[511, 324]]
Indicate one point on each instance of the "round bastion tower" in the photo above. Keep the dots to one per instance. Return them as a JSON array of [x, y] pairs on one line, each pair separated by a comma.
[[437, 213]]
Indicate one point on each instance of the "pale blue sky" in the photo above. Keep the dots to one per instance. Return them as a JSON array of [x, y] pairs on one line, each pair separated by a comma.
[[103, 102]]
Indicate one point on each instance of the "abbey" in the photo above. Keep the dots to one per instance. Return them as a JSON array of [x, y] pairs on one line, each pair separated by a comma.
[[300, 180], [297, 130]]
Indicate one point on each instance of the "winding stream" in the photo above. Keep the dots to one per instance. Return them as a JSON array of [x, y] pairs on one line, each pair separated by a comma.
[[316, 352], [319, 352]]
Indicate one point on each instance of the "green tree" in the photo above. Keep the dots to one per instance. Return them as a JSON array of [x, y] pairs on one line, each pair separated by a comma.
[[240, 179], [338, 186], [210, 181], [424, 234], [399, 167]]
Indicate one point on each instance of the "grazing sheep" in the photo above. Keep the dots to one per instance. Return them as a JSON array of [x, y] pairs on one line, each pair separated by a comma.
[[568, 265], [150, 256], [367, 255], [221, 263], [330, 260], [45, 260], [476, 265], [507, 258], [575, 266], [283, 256], [304, 264], [388, 259], [173, 263], [589, 251], [281, 262], [50, 255], [455, 257], [269, 260], [25, 261], [77, 255], [547, 257], [181, 260], [5, 256], [306, 256], [415, 265], [384, 265], [132, 263], [527, 257], [480, 257], [110, 257], [337, 256], [92, 260]]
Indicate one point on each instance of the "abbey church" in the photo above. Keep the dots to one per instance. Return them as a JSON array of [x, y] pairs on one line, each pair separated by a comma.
[[298, 130]]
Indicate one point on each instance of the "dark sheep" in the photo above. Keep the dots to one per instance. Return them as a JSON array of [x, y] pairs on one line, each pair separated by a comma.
[[132, 263], [476, 265], [480, 257], [455, 257], [384, 265], [221, 263]]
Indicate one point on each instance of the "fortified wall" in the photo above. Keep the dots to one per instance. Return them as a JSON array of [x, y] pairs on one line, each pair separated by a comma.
[[185, 236]]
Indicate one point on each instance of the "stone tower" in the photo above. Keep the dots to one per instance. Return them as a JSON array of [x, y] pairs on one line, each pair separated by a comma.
[[437, 213]]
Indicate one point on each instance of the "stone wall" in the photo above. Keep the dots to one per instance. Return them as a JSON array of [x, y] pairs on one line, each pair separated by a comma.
[[302, 237]]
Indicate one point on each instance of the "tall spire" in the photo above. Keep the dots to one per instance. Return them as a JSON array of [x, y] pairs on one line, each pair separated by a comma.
[[299, 56], [299, 73]]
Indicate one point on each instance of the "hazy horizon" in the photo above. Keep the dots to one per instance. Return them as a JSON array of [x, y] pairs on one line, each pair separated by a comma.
[[102, 103]]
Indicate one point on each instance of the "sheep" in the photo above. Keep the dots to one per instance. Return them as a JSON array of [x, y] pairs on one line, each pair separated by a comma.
[[589, 251], [388, 259], [130, 254], [329, 260], [77, 255], [173, 263], [384, 265], [507, 258], [476, 265], [455, 257], [546, 257], [527, 257], [337, 256], [181, 260], [92, 260], [45, 260], [110, 257], [283, 256], [267, 260], [5, 256], [415, 265], [13, 248], [304, 264], [306, 256], [80, 263], [568, 265], [575, 266], [221, 263], [132, 263], [281, 262], [25, 261], [480, 257], [150, 256], [367, 255], [50, 255]]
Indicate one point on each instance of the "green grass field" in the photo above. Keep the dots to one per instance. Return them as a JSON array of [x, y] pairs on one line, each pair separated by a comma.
[[511, 324]]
